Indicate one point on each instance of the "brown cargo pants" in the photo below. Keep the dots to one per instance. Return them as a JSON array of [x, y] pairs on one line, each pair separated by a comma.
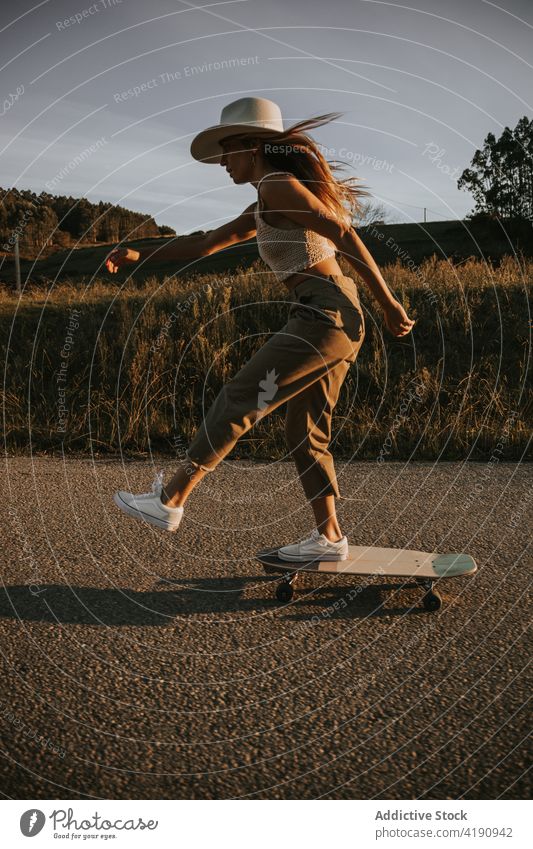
[[303, 364]]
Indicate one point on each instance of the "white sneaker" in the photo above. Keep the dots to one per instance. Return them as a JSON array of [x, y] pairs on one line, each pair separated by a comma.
[[316, 547], [149, 507]]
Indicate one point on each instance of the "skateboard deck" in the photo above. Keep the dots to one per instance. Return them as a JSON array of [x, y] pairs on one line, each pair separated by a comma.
[[423, 566]]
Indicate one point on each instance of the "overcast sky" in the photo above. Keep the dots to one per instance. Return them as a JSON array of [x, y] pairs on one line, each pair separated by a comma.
[[420, 85]]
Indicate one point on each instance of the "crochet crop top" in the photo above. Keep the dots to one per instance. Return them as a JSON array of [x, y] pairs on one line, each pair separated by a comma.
[[287, 251]]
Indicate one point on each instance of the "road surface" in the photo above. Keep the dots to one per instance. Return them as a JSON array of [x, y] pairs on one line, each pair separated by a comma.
[[141, 664]]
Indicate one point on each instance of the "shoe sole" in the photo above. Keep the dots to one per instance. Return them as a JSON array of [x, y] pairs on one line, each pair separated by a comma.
[[135, 513], [319, 558]]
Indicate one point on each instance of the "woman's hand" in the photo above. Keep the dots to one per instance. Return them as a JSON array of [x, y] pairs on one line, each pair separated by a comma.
[[119, 257], [396, 319]]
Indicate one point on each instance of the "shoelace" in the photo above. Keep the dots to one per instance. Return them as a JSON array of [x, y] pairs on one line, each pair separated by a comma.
[[315, 537]]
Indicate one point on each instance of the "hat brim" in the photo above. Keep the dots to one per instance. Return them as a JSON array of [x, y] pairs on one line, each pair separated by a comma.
[[205, 147]]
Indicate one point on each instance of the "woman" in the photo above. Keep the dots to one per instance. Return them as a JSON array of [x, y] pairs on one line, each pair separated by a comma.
[[302, 217]]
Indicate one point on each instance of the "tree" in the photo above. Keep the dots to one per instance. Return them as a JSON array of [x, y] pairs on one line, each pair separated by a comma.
[[45, 220], [501, 176], [371, 213]]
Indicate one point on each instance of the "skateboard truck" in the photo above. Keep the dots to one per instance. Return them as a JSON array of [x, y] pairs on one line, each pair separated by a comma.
[[431, 599]]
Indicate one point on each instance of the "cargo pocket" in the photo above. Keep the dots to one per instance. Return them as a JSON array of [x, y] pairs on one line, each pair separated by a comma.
[[329, 315], [301, 309], [354, 328]]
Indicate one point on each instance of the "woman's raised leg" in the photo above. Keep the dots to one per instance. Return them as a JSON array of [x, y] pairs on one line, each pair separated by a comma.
[[178, 489]]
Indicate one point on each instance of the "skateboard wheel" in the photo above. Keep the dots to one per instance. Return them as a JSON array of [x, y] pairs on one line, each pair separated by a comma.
[[284, 591], [432, 601]]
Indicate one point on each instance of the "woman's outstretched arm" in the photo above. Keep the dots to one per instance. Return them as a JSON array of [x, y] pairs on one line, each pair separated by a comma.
[[188, 247]]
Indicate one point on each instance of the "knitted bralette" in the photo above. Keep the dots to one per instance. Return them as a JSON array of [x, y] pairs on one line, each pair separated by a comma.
[[287, 251]]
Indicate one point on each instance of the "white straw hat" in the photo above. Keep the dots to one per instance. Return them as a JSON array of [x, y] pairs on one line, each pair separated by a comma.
[[249, 113]]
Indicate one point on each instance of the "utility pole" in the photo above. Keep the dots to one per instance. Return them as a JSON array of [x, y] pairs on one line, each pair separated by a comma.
[[424, 215], [17, 262]]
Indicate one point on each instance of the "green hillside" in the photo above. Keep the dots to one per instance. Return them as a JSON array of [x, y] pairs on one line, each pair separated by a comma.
[[410, 243]]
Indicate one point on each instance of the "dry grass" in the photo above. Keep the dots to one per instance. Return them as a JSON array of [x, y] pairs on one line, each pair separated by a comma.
[[147, 357]]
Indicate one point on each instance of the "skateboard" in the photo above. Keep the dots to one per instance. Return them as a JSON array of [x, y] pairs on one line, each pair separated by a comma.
[[424, 567]]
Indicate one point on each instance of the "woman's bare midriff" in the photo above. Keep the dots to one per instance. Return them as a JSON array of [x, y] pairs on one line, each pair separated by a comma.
[[324, 267]]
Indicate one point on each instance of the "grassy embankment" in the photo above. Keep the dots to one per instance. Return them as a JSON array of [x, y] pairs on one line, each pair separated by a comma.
[[457, 240], [147, 355]]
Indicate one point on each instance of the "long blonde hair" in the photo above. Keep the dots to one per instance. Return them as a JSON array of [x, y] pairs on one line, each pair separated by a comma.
[[295, 151]]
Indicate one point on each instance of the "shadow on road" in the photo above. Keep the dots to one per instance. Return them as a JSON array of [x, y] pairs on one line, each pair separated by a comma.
[[124, 606]]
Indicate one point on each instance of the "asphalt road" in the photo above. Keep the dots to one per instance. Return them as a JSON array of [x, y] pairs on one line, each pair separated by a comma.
[[140, 664]]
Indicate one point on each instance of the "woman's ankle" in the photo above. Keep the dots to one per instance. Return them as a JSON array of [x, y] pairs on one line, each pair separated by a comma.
[[333, 534], [172, 502]]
